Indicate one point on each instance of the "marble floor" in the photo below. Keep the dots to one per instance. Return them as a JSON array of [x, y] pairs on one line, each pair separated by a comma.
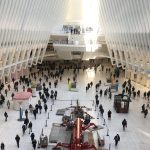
[[136, 136]]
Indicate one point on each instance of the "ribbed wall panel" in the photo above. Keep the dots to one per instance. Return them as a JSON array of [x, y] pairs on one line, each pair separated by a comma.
[[126, 25], [25, 27]]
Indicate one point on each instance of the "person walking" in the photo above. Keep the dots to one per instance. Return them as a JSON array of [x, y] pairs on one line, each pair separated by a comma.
[[17, 138], [102, 111], [124, 124], [40, 94], [23, 88], [6, 91], [31, 108], [32, 136], [12, 95], [117, 139], [55, 95], [26, 113], [145, 113], [96, 97], [8, 87], [2, 146], [26, 121], [45, 107], [13, 80], [109, 114], [23, 128], [8, 104], [49, 84], [110, 95], [101, 93], [40, 108], [144, 95], [143, 108], [30, 127], [97, 103], [34, 113], [34, 142], [6, 116], [37, 107]]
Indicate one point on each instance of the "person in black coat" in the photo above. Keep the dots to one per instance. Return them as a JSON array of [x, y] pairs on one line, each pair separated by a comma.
[[143, 108], [105, 93], [34, 113], [17, 138], [40, 108], [96, 97], [100, 107], [2, 146], [138, 93], [124, 124], [144, 95], [13, 80], [44, 100], [6, 92], [110, 95], [97, 102], [52, 96], [32, 136], [40, 94], [26, 113], [23, 128], [101, 92], [145, 113], [12, 95], [109, 114], [87, 119], [47, 95], [117, 139], [49, 84], [134, 94], [55, 95], [36, 107], [86, 89], [45, 107], [102, 111], [34, 142], [26, 121], [91, 84], [6, 116], [30, 127]]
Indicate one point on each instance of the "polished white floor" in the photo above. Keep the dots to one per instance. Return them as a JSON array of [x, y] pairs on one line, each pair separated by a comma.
[[136, 137]]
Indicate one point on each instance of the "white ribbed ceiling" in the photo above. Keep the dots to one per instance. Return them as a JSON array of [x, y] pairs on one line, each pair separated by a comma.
[[83, 11]]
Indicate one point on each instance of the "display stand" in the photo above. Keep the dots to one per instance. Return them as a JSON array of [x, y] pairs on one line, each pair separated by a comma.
[[21, 99], [121, 104]]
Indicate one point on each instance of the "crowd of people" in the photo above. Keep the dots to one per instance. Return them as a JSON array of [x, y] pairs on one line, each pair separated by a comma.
[[44, 76]]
